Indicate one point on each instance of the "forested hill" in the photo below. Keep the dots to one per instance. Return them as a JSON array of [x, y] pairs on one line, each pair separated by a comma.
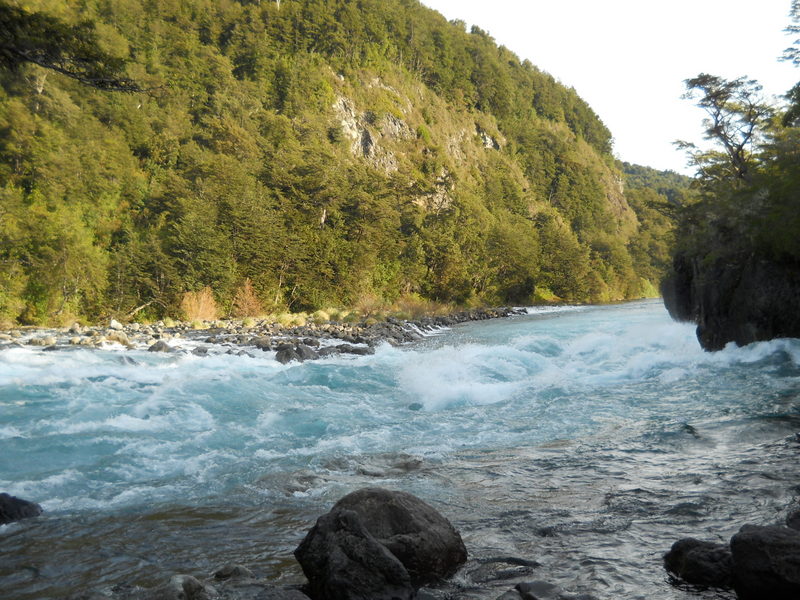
[[328, 152]]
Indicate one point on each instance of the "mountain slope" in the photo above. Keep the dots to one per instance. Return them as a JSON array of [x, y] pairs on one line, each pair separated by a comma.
[[327, 151]]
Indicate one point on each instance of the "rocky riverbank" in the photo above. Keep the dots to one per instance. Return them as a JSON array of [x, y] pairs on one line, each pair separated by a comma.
[[247, 337]]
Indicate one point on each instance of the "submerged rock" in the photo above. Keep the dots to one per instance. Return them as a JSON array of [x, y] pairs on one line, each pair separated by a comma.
[[15, 509], [700, 563], [541, 590], [376, 544], [766, 563]]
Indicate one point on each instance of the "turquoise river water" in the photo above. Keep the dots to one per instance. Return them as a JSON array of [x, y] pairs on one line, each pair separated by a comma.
[[587, 439]]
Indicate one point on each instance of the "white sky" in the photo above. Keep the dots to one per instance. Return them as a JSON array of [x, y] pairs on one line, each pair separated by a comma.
[[628, 58]]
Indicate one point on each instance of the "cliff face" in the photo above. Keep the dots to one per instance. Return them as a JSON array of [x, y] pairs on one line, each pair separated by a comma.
[[735, 299]]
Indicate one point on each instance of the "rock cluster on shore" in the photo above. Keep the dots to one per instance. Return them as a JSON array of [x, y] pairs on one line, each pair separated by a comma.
[[760, 562], [300, 343]]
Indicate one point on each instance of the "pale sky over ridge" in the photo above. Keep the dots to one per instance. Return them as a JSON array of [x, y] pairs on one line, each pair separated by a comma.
[[629, 58]]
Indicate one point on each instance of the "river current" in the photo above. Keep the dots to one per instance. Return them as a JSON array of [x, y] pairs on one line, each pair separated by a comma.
[[587, 439]]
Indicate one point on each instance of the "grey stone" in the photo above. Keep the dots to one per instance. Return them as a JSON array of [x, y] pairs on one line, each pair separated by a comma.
[[160, 346]]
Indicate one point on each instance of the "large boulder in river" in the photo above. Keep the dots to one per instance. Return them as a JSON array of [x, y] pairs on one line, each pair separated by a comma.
[[700, 563], [766, 563], [376, 544], [343, 561], [15, 509]]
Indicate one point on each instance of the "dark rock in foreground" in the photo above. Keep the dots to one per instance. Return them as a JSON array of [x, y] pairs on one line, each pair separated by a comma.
[[700, 563], [377, 544], [735, 299], [343, 561], [766, 563], [15, 509]]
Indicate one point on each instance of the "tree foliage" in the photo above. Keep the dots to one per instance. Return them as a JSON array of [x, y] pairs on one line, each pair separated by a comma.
[[71, 50], [323, 151], [746, 206], [737, 117]]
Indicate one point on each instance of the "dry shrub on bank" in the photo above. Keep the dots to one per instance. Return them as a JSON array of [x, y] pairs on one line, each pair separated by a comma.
[[369, 305], [199, 306], [411, 306], [245, 301]]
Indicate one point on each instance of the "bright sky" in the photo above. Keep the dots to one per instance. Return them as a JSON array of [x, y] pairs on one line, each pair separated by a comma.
[[628, 58]]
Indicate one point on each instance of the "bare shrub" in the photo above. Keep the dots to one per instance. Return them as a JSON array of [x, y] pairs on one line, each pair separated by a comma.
[[412, 306], [199, 306], [246, 302]]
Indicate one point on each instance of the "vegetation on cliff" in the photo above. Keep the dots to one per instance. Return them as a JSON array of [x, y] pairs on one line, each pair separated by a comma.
[[301, 154], [736, 270]]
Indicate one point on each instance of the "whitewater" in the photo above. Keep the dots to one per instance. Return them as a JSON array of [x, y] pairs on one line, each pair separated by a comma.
[[587, 439]]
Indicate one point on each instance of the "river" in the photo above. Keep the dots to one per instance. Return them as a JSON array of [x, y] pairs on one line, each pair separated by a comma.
[[587, 439]]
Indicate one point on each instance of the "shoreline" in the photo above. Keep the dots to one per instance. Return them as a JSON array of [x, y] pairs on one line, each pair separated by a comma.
[[236, 336]]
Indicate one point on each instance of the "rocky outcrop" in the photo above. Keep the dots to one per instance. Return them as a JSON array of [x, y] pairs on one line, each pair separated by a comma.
[[364, 134], [15, 509], [741, 299], [377, 544]]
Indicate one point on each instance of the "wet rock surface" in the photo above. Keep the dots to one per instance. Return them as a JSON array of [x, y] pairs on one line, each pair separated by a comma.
[[376, 543], [766, 563], [700, 563], [15, 509]]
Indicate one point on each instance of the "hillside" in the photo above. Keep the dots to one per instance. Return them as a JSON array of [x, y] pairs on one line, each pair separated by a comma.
[[329, 153]]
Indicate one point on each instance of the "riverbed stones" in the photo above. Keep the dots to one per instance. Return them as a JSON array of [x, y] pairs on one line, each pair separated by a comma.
[[766, 563], [119, 337], [233, 572], [377, 543], [160, 346], [700, 563], [15, 509]]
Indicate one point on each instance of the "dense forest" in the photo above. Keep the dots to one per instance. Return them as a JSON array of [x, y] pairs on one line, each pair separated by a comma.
[[736, 270], [303, 154]]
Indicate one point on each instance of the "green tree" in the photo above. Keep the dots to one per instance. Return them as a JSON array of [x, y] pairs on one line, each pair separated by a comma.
[[737, 118], [71, 50]]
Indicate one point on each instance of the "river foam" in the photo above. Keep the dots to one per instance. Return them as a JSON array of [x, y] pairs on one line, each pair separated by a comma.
[[574, 396]]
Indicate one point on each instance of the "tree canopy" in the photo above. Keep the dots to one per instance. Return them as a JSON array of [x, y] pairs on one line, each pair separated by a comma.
[[326, 152], [71, 50]]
